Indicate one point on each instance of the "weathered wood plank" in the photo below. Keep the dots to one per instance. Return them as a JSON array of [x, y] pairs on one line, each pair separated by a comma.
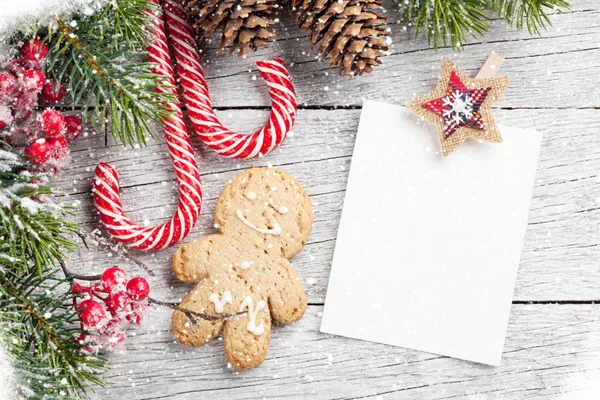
[[551, 71], [561, 245], [550, 350], [540, 67]]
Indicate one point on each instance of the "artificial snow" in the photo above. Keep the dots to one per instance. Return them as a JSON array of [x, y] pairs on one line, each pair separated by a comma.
[[6, 375], [22, 15]]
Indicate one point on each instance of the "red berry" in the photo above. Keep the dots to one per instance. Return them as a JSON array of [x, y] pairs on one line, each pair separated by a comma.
[[91, 313], [52, 123], [117, 302], [137, 313], [34, 50], [8, 86], [38, 152], [59, 146], [138, 289], [90, 341], [25, 101], [116, 338], [6, 117], [114, 276], [33, 80], [113, 326], [78, 289], [74, 127], [53, 91], [22, 115]]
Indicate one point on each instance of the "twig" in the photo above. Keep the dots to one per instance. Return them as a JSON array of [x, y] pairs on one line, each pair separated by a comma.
[[173, 306], [83, 239], [139, 263], [191, 314], [124, 254], [71, 276]]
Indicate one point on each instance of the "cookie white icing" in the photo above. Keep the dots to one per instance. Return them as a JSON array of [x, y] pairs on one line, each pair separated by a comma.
[[251, 196], [283, 210], [220, 303], [252, 314], [276, 230], [245, 265]]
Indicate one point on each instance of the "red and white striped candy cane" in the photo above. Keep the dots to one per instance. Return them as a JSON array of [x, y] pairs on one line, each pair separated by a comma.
[[106, 181], [195, 93]]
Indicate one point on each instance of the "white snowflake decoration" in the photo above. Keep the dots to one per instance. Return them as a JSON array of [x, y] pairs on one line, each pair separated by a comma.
[[461, 107]]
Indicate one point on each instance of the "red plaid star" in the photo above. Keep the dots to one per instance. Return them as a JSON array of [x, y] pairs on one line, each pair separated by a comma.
[[460, 106]]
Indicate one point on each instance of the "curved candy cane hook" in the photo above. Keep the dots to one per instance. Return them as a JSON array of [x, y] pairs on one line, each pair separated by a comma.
[[106, 181], [197, 99]]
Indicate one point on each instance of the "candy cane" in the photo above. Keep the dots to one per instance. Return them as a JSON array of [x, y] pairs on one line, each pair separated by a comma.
[[106, 181], [195, 93]]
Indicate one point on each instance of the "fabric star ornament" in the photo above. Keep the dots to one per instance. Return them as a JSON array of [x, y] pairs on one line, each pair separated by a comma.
[[461, 107]]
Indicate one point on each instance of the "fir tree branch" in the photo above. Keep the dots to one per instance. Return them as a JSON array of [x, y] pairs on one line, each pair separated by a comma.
[[37, 322], [31, 227], [41, 328], [446, 22], [102, 60], [530, 13], [450, 22]]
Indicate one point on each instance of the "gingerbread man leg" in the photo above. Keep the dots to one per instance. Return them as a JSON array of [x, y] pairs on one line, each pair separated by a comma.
[[201, 332], [287, 300], [246, 338]]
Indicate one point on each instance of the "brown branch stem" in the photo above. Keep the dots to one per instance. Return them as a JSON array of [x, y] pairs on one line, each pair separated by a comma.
[[124, 253], [191, 315]]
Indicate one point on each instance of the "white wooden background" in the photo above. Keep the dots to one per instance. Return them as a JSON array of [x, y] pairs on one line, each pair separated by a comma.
[[553, 341]]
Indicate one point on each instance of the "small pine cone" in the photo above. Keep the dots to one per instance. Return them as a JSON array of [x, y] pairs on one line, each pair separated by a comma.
[[246, 24], [350, 32]]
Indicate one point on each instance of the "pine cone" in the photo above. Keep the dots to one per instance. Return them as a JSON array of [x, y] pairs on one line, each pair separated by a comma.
[[351, 32], [246, 24]]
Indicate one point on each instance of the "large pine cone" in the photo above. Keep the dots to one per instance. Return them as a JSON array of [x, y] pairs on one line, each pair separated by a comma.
[[350, 32], [246, 24]]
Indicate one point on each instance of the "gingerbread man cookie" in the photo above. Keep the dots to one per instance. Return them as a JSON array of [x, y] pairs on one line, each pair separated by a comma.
[[264, 218]]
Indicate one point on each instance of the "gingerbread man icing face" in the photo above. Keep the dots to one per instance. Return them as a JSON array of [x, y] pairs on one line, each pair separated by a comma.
[[264, 218]]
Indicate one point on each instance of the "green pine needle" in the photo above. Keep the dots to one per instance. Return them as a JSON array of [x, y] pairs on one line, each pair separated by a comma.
[[530, 13], [446, 21], [102, 60], [450, 22], [40, 237], [38, 323], [38, 326]]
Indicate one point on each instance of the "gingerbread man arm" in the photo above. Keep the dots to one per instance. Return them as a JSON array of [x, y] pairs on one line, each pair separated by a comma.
[[190, 262], [287, 299]]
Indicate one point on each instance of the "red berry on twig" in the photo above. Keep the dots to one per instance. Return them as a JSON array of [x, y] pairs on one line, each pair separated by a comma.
[[33, 80], [59, 147], [91, 313], [79, 289], [34, 51], [6, 117], [8, 86], [138, 289], [137, 314], [52, 123], [114, 276], [53, 91], [74, 127], [38, 152], [117, 303], [89, 340]]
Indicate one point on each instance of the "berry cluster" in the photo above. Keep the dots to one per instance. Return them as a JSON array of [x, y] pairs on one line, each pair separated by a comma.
[[45, 133], [104, 306]]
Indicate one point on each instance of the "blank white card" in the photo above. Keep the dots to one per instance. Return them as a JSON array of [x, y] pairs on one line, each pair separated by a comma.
[[428, 246]]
